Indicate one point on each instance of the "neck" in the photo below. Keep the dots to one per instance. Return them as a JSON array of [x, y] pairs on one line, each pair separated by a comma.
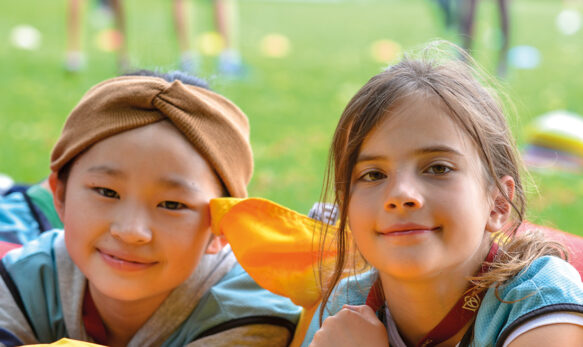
[[418, 305], [418, 308], [122, 319]]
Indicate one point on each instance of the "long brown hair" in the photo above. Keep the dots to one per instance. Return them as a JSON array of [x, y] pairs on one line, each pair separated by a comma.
[[476, 109]]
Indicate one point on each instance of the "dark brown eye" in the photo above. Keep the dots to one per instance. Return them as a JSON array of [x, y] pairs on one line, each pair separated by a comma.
[[108, 193], [372, 176], [439, 169], [172, 205]]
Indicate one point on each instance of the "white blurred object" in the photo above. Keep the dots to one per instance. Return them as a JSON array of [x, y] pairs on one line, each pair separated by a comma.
[[324, 212], [569, 22], [560, 129], [5, 183], [25, 37], [75, 61], [555, 142]]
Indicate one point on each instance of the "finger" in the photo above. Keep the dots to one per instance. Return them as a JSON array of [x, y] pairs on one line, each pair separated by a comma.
[[351, 307], [364, 309]]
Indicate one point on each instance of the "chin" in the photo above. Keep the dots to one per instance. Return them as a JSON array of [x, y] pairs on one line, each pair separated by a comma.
[[128, 293], [122, 289], [408, 274], [408, 270]]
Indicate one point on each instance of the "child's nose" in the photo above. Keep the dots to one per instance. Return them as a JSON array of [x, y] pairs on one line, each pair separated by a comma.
[[403, 194], [131, 227]]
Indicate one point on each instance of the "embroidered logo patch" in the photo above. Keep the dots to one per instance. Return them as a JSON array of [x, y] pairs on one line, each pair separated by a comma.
[[471, 302]]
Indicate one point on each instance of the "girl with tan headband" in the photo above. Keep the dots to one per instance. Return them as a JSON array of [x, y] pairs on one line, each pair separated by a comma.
[[132, 175]]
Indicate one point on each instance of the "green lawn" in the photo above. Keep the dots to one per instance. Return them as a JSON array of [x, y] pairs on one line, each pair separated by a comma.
[[293, 102]]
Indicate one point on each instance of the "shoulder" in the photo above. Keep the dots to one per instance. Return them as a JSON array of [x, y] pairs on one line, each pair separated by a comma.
[[548, 280], [548, 285], [240, 295], [235, 304], [30, 287], [548, 266], [14, 325]]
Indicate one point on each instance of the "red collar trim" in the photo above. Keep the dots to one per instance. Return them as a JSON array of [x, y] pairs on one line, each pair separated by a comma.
[[92, 320]]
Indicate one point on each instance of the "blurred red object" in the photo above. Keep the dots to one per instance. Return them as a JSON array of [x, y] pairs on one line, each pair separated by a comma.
[[7, 246], [573, 243]]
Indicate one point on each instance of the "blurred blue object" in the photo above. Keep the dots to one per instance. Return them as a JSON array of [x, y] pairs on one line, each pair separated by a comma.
[[524, 57], [549, 159], [230, 64]]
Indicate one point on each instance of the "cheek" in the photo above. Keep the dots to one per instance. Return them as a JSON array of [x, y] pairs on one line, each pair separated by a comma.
[[185, 256], [360, 215], [189, 236], [365, 201], [80, 209], [79, 247], [78, 224], [465, 210]]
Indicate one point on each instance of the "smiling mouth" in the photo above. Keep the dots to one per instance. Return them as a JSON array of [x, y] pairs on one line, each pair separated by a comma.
[[125, 264], [409, 231], [126, 260]]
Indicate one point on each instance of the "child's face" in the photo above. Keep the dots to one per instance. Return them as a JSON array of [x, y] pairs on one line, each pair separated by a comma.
[[136, 214], [420, 205]]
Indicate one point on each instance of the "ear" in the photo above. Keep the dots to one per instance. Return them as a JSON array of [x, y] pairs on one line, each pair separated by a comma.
[[58, 188], [216, 244], [501, 208]]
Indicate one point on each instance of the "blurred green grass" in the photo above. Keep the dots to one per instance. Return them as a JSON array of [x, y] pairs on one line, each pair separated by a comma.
[[293, 102]]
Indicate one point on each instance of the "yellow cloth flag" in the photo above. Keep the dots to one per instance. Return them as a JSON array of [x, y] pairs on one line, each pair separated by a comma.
[[279, 248]]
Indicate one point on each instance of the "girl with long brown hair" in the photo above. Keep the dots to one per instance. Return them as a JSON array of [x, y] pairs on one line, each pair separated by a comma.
[[426, 174]]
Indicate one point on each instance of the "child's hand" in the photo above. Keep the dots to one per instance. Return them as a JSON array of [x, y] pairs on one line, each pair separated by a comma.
[[352, 326]]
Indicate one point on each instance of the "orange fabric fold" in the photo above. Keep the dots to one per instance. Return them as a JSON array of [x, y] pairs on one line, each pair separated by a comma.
[[277, 247]]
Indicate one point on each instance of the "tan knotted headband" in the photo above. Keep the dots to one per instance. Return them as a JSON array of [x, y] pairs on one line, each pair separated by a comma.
[[217, 128]]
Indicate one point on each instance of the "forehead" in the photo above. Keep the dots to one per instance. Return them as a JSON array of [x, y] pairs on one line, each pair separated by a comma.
[[152, 152], [418, 121]]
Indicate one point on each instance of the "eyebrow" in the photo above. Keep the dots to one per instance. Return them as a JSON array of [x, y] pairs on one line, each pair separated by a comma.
[[166, 182], [178, 183], [420, 151], [107, 170], [438, 149]]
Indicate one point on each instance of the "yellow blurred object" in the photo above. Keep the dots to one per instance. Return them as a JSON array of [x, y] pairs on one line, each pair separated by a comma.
[[275, 45], [279, 248], [68, 343], [560, 130], [384, 51], [109, 40], [210, 43]]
